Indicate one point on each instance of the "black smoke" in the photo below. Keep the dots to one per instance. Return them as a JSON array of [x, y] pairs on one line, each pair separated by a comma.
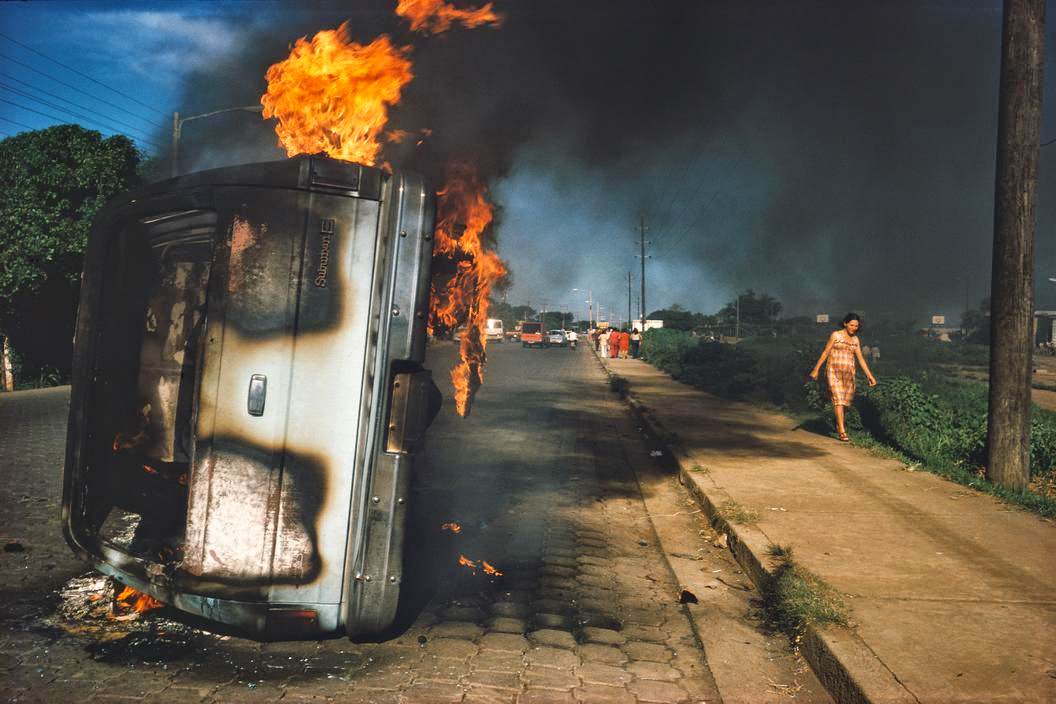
[[837, 155]]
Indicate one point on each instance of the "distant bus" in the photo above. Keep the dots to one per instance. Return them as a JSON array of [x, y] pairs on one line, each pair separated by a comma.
[[493, 330]]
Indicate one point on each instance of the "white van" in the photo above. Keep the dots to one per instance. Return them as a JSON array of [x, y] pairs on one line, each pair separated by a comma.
[[493, 330]]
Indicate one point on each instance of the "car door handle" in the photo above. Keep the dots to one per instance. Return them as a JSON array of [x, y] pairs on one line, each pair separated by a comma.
[[258, 393]]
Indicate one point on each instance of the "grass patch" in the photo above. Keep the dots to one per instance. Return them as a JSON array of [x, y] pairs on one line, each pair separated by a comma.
[[700, 469], [735, 513], [797, 598]]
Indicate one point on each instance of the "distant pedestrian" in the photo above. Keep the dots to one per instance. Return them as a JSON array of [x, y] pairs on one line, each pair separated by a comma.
[[603, 343], [842, 350], [875, 353], [625, 343], [636, 343]]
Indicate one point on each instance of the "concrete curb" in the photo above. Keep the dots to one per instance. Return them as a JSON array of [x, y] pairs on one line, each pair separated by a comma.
[[840, 659]]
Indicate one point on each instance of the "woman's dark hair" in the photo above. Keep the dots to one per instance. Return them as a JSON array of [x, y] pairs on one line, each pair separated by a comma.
[[849, 317]]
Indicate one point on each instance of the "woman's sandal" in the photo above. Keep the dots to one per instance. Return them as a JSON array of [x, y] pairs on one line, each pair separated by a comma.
[[844, 437]]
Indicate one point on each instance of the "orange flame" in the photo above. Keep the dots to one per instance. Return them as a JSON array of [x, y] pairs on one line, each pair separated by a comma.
[[483, 564], [332, 95], [139, 602], [463, 215], [437, 16], [453, 527]]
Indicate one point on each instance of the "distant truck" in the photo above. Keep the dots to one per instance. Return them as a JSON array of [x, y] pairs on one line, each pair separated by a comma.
[[493, 330], [533, 335]]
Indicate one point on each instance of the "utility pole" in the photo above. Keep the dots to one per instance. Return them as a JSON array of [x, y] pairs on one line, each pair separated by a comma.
[[737, 332], [177, 129], [1015, 220], [629, 298], [641, 242]]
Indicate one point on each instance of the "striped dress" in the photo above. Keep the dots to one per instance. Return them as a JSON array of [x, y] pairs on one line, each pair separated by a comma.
[[841, 368]]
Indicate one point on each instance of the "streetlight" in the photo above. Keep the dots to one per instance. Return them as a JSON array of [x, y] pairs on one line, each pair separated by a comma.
[[590, 305], [177, 129]]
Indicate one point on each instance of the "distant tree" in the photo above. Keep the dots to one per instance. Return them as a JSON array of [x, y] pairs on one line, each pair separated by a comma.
[[52, 183], [523, 313], [555, 320], [675, 317], [756, 309]]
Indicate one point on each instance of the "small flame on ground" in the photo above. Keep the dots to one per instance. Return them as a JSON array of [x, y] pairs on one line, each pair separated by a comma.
[[333, 95], [453, 527], [474, 565], [137, 601], [437, 16], [463, 216]]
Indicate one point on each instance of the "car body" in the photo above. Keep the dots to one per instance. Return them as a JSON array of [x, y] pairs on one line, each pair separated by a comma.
[[557, 338], [533, 335], [242, 451]]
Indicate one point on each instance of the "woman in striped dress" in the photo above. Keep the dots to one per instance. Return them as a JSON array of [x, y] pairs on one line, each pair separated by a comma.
[[842, 351]]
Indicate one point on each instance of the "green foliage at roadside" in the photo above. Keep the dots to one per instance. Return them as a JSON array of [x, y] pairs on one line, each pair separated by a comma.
[[925, 416], [797, 598], [52, 183]]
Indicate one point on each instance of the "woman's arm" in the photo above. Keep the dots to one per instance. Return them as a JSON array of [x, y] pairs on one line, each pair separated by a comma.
[[824, 355], [865, 367]]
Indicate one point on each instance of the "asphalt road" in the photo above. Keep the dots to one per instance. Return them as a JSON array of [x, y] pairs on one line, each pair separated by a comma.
[[586, 609]]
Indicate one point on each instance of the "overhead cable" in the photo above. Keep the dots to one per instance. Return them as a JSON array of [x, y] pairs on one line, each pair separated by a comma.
[[56, 117], [16, 122], [76, 105], [82, 75], [79, 90], [66, 110]]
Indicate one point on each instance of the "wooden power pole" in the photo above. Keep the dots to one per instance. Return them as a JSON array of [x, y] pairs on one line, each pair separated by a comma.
[[1015, 219], [629, 318], [642, 243]]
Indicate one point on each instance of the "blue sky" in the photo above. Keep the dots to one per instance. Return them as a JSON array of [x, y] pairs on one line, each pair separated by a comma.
[[139, 52]]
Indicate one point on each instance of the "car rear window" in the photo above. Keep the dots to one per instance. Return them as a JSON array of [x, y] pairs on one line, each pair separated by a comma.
[[532, 327]]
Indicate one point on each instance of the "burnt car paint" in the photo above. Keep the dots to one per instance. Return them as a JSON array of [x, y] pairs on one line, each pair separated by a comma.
[[313, 296]]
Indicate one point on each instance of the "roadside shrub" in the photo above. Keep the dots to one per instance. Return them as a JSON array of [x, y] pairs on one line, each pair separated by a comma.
[[928, 417]]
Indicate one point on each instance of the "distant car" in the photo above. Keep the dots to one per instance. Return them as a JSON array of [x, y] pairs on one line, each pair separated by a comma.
[[557, 337]]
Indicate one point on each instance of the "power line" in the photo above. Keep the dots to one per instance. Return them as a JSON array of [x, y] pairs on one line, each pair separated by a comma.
[[69, 112], [53, 117], [16, 122], [79, 90], [76, 105], [686, 231], [82, 75]]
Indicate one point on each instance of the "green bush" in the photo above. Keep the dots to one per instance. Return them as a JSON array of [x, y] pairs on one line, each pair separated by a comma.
[[928, 417]]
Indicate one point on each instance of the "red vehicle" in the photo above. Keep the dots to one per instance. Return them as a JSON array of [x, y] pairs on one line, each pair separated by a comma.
[[533, 335]]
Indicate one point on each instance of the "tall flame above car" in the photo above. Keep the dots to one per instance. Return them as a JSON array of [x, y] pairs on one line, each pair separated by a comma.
[[333, 95]]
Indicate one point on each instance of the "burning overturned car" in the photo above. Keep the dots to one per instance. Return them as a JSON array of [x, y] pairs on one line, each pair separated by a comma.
[[248, 393]]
